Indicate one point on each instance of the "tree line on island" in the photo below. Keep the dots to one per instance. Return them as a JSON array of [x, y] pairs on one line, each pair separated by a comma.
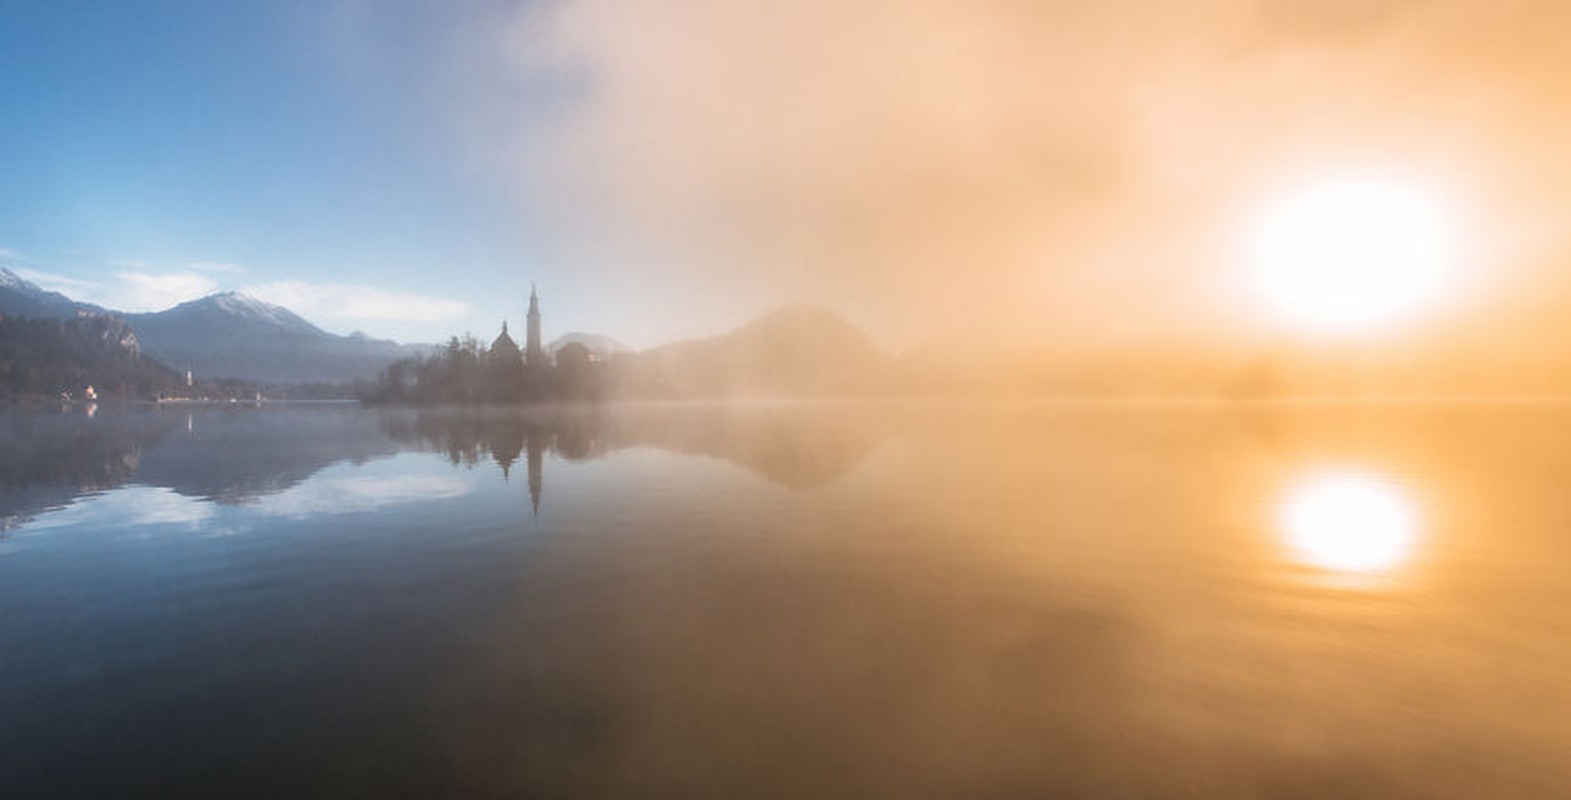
[[467, 371]]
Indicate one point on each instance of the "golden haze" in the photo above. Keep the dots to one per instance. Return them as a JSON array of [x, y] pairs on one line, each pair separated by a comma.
[[1058, 176]]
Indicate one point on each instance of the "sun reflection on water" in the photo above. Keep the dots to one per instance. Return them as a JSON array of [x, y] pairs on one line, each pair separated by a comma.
[[1349, 521]]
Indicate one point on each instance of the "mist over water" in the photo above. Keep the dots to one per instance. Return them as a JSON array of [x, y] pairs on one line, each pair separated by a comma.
[[788, 599]]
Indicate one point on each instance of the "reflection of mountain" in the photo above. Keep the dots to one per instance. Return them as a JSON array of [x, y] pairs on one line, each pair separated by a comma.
[[46, 460], [231, 456], [796, 446], [225, 455]]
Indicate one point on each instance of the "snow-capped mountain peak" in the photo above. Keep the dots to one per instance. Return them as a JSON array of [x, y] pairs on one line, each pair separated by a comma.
[[22, 297], [245, 305], [16, 283], [241, 309]]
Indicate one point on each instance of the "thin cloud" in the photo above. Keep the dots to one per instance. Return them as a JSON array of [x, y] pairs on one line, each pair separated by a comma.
[[352, 302], [351, 494], [223, 267], [128, 291], [76, 288], [128, 507], [226, 268], [142, 291]]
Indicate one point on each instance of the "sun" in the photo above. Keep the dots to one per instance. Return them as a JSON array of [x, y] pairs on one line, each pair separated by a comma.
[[1351, 253]]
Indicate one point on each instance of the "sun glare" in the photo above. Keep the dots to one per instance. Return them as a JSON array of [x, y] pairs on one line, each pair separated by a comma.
[[1350, 254], [1348, 521]]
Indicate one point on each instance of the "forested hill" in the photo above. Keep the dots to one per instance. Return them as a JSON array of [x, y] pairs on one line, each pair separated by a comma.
[[40, 358]]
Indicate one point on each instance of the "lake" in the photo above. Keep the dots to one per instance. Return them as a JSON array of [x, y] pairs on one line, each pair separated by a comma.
[[788, 600]]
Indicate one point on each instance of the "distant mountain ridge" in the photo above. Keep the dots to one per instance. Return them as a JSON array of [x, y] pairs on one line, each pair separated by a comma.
[[234, 335], [598, 343], [226, 335]]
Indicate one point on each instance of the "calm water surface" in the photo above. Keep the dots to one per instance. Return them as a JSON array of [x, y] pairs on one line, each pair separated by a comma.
[[788, 600]]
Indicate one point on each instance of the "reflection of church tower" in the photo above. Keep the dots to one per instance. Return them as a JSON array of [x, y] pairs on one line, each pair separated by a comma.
[[536, 465], [533, 355]]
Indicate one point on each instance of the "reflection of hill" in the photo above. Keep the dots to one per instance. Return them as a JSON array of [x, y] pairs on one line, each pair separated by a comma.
[[800, 446], [797, 446]]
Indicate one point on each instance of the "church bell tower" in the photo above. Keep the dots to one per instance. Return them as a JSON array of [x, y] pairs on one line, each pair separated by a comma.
[[534, 356]]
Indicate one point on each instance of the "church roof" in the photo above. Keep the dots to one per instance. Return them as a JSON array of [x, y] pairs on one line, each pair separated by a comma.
[[503, 341]]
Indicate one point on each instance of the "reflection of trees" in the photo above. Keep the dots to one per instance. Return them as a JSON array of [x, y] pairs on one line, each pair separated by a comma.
[[469, 436], [798, 446]]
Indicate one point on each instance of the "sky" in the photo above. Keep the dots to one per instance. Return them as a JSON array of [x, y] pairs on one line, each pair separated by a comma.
[[977, 174]]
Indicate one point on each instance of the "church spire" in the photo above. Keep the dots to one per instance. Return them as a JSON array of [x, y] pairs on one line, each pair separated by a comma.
[[534, 354]]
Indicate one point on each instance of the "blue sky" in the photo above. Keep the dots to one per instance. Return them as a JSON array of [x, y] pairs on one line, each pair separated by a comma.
[[154, 152]]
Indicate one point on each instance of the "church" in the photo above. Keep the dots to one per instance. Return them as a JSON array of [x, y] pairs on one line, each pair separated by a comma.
[[466, 371], [505, 351]]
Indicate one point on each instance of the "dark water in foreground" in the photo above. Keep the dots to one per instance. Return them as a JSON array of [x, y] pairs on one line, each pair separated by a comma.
[[788, 601]]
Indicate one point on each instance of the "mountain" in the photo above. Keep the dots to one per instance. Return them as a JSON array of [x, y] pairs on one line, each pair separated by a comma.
[[20, 297], [601, 345], [799, 350], [234, 335], [227, 335]]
